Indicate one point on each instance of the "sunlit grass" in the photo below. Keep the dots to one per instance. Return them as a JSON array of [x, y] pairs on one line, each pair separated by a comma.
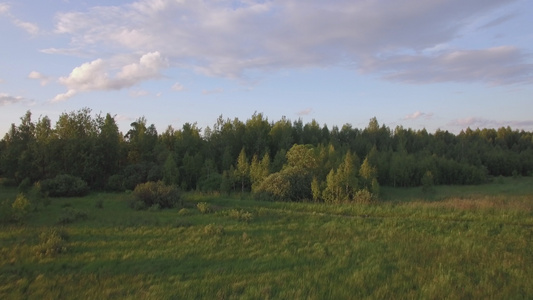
[[467, 244]]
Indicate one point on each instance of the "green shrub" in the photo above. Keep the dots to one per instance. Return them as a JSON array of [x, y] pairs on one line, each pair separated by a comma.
[[152, 193], [20, 208], [364, 196], [51, 243], [115, 183], [212, 229], [204, 207], [291, 184], [37, 196], [25, 185], [241, 215], [65, 186], [5, 211], [71, 215], [154, 207], [183, 212]]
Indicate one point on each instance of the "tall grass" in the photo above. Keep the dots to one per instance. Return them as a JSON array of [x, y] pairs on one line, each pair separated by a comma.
[[469, 244]]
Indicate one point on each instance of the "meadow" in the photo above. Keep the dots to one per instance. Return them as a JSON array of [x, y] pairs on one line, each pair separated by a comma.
[[455, 242]]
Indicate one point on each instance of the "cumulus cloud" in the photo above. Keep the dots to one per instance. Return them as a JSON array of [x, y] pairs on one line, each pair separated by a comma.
[[98, 74], [417, 115], [38, 76], [230, 38]]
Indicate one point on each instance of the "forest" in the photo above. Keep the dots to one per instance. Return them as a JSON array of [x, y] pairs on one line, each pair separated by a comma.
[[274, 160]]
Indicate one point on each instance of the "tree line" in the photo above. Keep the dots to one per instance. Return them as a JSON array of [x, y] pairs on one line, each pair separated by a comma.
[[285, 160]]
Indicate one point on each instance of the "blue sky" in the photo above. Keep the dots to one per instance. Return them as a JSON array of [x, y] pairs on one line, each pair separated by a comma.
[[447, 64]]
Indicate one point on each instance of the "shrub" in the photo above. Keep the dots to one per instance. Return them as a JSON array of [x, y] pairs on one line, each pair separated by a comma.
[[213, 229], [51, 243], [364, 196], [291, 184], [20, 208], [152, 193], [154, 207], [5, 211], [65, 186], [115, 183], [183, 212], [241, 215], [204, 207], [71, 215], [37, 196], [25, 185]]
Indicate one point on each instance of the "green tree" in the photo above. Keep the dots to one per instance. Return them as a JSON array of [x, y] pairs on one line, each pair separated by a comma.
[[259, 169], [242, 172], [171, 171], [368, 173]]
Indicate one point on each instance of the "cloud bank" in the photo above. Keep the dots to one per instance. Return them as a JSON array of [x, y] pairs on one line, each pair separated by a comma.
[[477, 122], [233, 38]]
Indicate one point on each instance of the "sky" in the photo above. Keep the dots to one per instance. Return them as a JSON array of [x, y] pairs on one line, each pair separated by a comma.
[[434, 64]]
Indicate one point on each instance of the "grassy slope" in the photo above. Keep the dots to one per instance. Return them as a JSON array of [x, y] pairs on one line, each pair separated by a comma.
[[467, 242]]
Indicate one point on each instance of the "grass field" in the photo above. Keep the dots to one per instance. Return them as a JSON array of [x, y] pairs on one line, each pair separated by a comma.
[[473, 242]]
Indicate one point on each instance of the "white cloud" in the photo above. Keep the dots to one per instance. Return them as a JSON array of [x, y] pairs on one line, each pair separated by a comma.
[[417, 115], [4, 8], [29, 27], [498, 65], [305, 112], [476, 122], [65, 96], [177, 87], [98, 74], [6, 99], [228, 39], [38, 76]]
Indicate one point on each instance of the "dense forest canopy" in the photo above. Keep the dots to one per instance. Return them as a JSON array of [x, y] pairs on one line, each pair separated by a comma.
[[284, 159]]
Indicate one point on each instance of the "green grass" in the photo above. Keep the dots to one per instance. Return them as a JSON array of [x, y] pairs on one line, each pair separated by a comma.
[[459, 242]]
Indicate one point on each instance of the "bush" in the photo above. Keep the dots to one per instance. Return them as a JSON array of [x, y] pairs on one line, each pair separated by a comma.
[[51, 243], [115, 183], [20, 208], [241, 215], [291, 184], [65, 186], [212, 229], [5, 211], [364, 196], [204, 207], [25, 185], [157, 193], [71, 215]]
